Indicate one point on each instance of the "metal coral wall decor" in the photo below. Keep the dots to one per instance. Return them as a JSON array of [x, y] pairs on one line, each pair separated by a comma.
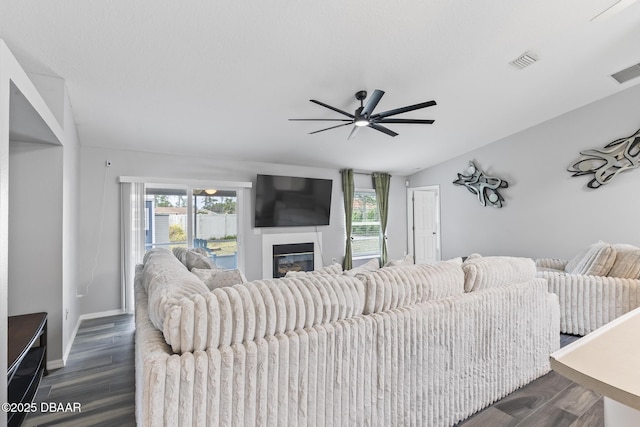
[[606, 163], [483, 186]]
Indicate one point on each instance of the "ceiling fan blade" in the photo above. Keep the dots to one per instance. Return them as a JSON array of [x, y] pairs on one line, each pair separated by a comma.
[[354, 132], [332, 127], [403, 110], [321, 120], [414, 121], [382, 129], [332, 108], [372, 102]]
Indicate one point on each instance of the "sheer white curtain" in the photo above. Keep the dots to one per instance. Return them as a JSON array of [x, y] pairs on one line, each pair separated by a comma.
[[132, 237]]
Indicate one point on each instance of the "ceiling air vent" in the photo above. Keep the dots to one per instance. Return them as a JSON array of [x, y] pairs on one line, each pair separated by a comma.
[[523, 61], [627, 74]]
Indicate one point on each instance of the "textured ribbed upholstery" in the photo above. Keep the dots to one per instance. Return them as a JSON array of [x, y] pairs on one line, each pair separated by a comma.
[[393, 287], [304, 355], [551, 263], [251, 310], [488, 272], [166, 281], [595, 260], [588, 302], [627, 262]]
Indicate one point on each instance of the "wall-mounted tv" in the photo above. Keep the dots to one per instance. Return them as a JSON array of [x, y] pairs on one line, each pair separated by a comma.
[[288, 201]]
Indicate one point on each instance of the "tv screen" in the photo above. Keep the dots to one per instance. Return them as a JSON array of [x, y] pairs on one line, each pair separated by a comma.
[[287, 201]]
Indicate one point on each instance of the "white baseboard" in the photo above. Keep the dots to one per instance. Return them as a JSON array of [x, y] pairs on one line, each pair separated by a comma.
[[100, 314], [59, 363], [65, 356], [56, 364]]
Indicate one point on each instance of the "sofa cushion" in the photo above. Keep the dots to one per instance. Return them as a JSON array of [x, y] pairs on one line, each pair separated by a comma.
[[595, 260], [371, 265], [215, 278], [330, 269], [393, 287], [493, 271], [166, 281], [457, 261], [627, 262]]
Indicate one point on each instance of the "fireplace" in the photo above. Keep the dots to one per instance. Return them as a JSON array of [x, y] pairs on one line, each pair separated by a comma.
[[282, 252], [292, 257]]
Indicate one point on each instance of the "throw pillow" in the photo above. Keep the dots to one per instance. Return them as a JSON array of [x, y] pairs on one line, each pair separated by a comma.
[[407, 260], [201, 251], [473, 256], [195, 259], [219, 278], [595, 260], [372, 265], [627, 262], [180, 253]]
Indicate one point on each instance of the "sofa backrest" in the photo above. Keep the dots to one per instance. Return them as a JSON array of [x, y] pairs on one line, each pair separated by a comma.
[[489, 272], [303, 301], [167, 280], [253, 310], [392, 287]]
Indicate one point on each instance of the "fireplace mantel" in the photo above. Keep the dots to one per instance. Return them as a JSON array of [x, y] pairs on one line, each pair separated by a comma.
[[268, 240]]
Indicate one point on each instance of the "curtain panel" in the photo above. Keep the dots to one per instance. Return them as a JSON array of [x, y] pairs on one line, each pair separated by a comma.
[[132, 226], [347, 191], [381, 183]]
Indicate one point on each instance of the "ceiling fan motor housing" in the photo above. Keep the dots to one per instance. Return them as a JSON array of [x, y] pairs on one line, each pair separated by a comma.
[[361, 95]]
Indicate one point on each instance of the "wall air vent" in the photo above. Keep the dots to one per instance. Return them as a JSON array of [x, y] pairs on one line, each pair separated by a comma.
[[523, 61], [627, 74]]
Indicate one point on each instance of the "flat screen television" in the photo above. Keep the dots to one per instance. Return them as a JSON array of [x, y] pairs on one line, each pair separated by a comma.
[[288, 201]]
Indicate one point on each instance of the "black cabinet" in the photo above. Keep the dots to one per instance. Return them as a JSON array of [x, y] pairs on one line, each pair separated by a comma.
[[26, 360]]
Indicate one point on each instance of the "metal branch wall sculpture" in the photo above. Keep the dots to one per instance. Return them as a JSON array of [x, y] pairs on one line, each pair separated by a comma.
[[606, 163], [483, 186]]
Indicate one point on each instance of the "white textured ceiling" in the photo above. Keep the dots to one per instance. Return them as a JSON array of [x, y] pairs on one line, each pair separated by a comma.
[[221, 79]]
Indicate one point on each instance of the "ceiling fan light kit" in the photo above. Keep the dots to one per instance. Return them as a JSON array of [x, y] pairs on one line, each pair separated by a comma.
[[364, 117]]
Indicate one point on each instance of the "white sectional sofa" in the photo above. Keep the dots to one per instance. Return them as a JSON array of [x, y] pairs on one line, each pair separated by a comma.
[[398, 346], [598, 285]]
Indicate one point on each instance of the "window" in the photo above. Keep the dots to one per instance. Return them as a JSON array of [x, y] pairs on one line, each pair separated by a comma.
[[365, 228], [215, 225], [193, 217]]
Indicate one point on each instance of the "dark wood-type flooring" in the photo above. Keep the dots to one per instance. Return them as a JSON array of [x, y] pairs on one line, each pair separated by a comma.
[[100, 375]]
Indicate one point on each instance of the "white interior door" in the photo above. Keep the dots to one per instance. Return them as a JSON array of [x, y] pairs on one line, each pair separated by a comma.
[[424, 225]]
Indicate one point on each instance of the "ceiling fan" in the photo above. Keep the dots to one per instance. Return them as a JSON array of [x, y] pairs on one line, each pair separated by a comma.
[[364, 116]]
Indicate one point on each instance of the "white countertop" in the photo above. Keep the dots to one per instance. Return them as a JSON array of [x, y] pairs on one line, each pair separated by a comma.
[[606, 361]]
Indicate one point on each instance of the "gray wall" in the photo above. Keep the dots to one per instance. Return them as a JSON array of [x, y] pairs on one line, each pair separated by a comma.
[[35, 235], [43, 232], [547, 212], [103, 292]]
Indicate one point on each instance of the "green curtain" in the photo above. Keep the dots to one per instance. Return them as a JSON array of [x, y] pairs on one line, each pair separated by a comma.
[[381, 182], [347, 191]]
